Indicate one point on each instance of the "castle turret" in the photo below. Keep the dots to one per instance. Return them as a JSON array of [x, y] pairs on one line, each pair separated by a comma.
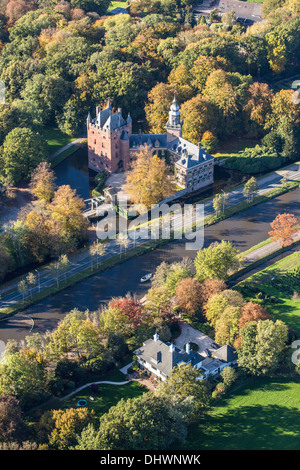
[[108, 140], [174, 124]]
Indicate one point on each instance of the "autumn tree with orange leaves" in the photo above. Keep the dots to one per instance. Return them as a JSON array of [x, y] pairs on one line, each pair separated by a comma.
[[250, 312], [284, 227]]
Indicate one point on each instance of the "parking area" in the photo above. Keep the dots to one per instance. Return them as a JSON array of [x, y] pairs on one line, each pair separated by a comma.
[[191, 335], [118, 181]]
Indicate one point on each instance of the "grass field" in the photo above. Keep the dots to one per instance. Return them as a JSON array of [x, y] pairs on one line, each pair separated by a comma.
[[277, 280], [55, 139], [231, 147], [107, 396], [263, 414], [114, 5]]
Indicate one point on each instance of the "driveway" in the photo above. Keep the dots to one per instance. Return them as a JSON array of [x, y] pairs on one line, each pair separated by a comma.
[[190, 335], [118, 181]]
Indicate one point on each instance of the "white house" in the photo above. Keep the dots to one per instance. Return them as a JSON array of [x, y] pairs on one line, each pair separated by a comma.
[[160, 358]]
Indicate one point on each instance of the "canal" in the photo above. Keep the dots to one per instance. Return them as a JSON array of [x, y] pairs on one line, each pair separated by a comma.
[[243, 230]]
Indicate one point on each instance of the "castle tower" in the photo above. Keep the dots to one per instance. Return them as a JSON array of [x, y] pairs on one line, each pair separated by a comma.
[[108, 140], [174, 124]]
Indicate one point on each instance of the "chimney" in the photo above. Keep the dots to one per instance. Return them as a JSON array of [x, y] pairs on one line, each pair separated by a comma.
[[98, 109], [156, 337], [187, 348], [199, 145], [120, 110], [172, 347]]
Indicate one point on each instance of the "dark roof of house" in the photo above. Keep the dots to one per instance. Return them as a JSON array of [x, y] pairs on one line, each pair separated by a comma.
[[115, 121], [118, 10], [156, 140], [190, 154], [225, 353], [244, 10], [159, 355]]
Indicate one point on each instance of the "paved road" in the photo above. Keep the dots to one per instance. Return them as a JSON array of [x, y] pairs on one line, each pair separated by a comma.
[[244, 230], [79, 262]]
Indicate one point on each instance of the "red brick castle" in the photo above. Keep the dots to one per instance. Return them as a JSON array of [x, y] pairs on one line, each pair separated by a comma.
[[112, 146]]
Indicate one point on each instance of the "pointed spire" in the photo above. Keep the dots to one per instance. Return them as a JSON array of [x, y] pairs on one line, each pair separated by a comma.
[[108, 105], [128, 118], [89, 117]]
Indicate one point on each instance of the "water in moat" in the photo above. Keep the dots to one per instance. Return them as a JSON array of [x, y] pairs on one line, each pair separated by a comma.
[[75, 172]]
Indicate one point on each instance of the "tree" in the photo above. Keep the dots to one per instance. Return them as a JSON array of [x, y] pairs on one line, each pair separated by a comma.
[[250, 312], [66, 209], [183, 385], [229, 376], [23, 375], [217, 204], [31, 281], [158, 301], [58, 267], [130, 308], [123, 242], [49, 93], [22, 151], [215, 261], [42, 182], [175, 276], [63, 426], [99, 6], [149, 182], [250, 188], [189, 297], [229, 18], [226, 326], [97, 250], [284, 228], [262, 342], [11, 421], [15, 9], [144, 423], [112, 320], [23, 288], [199, 115], [209, 142], [284, 121], [225, 301], [258, 107], [210, 287]]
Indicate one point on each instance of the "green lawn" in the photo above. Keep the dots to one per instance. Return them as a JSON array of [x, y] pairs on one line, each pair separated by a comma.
[[107, 396], [114, 5], [278, 281], [264, 414], [231, 147], [55, 139]]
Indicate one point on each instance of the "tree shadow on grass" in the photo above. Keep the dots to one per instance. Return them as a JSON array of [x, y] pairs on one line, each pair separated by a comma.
[[270, 427]]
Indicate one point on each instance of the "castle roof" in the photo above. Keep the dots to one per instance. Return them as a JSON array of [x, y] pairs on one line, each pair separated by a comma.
[[124, 136], [155, 140], [190, 154], [115, 121]]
